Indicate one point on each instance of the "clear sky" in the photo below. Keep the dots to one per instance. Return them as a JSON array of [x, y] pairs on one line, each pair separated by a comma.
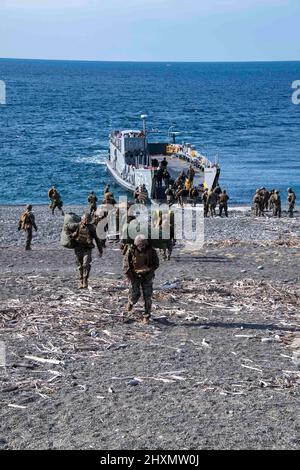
[[151, 30]]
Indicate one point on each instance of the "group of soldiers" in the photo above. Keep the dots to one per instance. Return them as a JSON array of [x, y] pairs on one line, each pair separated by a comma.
[[140, 258], [265, 200]]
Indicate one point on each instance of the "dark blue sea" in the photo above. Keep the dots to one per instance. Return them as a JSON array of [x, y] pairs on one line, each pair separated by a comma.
[[54, 128]]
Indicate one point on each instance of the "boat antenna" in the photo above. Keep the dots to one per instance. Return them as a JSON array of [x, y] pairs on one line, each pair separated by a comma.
[[146, 156]]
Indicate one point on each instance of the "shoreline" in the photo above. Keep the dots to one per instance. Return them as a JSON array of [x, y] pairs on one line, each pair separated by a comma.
[[218, 353]]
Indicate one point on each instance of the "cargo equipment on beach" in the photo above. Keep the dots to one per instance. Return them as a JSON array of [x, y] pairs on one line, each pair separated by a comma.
[[133, 161]]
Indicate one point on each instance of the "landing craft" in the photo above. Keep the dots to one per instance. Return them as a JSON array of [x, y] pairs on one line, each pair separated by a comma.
[[134, 161]]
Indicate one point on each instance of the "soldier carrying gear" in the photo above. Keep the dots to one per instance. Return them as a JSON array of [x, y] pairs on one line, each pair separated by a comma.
[[223, 203], [83, 235], [257, 203], [92, 200], [55, 200], [291, 201], [139, 265], [276, 200], [26, 222]]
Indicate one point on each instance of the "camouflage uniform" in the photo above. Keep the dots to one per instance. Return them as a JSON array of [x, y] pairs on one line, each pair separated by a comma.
[[212, 200], [257, 204], [92, 200], [291, 202], [223, 199], [140, 281], [55, 199], [83, 236], [276, 204], [26, 222], [205, 202], [191, 174], [170, 195]]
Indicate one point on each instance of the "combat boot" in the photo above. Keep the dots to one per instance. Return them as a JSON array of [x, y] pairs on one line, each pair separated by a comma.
[[146, 320], [85, 284]]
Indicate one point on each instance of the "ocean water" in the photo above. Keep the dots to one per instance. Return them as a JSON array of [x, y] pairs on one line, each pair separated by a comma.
[[54, 128]]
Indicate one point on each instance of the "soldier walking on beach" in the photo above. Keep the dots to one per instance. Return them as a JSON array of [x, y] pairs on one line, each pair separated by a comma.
[[276, 201], [257, 203], [55, 200], [139, 265], [92, 200], [223, 203], [83, 234], [291, 201], [26, 223], [212, 200]]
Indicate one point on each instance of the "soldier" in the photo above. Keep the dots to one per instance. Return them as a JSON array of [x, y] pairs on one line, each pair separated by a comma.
[[166, 177], [139, 265], [180, 179], [164, 163], [170, 195], [92, 200], [168, 227], [26, 222], [187, 184], [181, 195], [270, 206], [141, 195], [276, 204], [218, 191], [191, 174], [212, 200], [83, 235], [223, 203], [291, 202], [194, 194], [109, 198], [205, 202], [55, 200], [257, 203]]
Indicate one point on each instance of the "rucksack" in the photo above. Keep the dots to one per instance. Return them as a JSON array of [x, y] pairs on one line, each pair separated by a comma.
[[25, 221], [65, 240]]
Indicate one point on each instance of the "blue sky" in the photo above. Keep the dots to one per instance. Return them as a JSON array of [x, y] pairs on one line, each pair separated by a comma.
[[151, 30]]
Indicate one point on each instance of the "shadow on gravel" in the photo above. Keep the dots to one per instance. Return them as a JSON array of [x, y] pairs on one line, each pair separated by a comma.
[[204, 259], [246, 326]]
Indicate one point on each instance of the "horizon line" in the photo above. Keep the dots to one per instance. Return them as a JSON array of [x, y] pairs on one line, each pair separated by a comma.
[[152, 61]]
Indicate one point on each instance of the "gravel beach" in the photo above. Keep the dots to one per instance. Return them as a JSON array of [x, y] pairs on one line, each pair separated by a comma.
[[217, 368]]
